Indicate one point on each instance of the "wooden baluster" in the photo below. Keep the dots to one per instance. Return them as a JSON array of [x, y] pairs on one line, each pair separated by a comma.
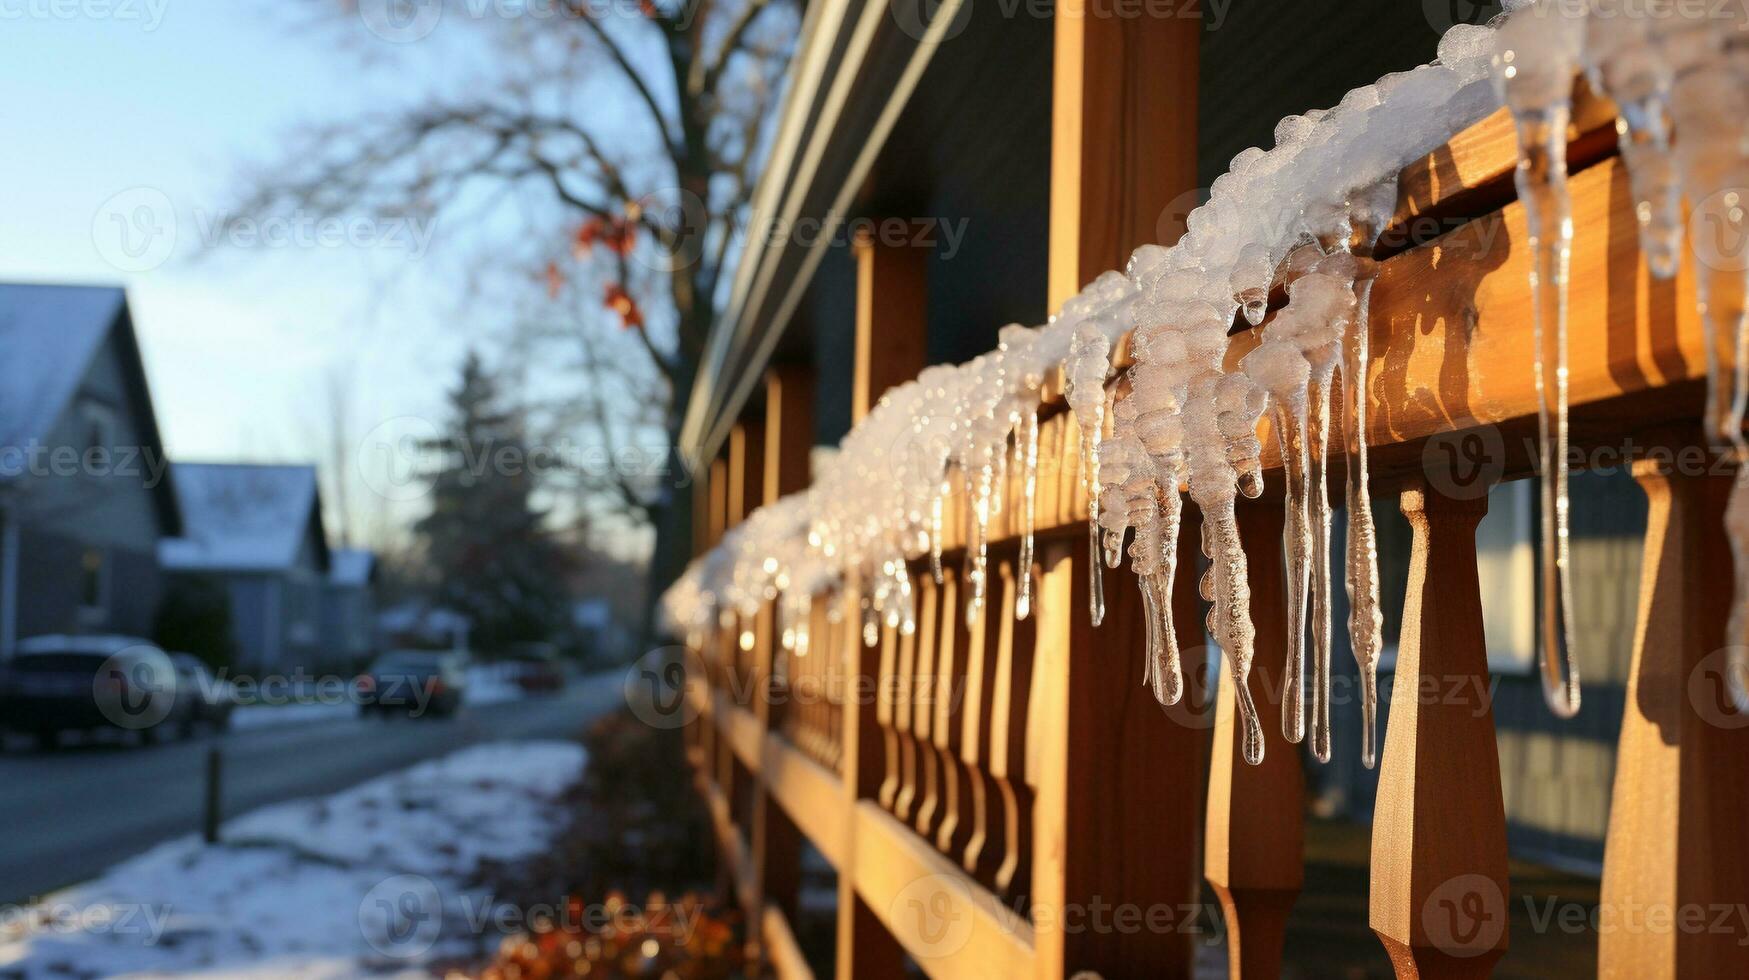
[[954, 830], [883, 705], [1010, 704], [906, 747], [865, 947], [719, 494], [770, 853], [1439, 882], [982, 853], [1254, 858], [1679, 807], [924, 695]]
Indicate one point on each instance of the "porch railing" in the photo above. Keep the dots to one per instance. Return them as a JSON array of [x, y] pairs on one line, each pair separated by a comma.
[[976, 768]]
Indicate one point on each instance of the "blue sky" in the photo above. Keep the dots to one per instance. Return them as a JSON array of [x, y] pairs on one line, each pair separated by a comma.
[[169, 100]]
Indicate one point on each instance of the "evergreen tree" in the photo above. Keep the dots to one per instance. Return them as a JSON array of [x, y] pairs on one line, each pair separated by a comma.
[[490, 549]]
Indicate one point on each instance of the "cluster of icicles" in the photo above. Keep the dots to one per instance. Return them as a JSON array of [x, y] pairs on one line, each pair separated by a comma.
[[1300, 220]]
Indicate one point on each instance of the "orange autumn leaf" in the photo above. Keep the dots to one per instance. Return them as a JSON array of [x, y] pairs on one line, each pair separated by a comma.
[[621, 302], [555, 280]]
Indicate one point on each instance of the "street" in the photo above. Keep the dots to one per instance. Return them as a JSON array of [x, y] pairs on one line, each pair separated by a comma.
[[70, 814]]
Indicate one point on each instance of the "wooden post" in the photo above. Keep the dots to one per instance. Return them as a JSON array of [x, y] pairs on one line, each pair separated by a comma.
[[1254, 858], [789, 430], [719, 512], [1123, 146], [787, 440], [865, 947], [892, 319], [746, 470], [1118, 779], [1123, 138], [1674, 855], [1439, 885]]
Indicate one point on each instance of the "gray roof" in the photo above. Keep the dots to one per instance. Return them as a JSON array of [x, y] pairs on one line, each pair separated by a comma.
[[351, 566], [48, 335], [244, 517]]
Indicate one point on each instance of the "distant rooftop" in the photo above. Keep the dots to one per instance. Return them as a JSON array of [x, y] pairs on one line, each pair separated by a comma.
[[243, 517], [351, 566]]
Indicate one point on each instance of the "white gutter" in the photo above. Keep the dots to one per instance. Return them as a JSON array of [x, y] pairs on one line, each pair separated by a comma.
[[944, 18], [721, 341]]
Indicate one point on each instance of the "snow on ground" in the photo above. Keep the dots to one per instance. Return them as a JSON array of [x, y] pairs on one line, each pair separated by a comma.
[[369, 882]]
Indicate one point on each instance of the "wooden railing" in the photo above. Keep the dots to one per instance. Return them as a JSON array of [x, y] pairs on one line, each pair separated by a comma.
[[987, 789]]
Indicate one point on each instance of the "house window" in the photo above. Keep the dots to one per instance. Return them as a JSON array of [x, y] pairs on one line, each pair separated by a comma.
[[94, 581]]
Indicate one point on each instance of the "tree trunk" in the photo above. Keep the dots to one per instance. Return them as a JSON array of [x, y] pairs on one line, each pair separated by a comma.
[[671, 518]]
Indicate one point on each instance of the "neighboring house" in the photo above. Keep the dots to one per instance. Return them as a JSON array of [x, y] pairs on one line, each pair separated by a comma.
[[349, 604], [258, 529], [85, 491]]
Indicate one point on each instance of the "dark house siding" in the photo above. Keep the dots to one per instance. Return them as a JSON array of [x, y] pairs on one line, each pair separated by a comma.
[[110, 509], [51, 583]]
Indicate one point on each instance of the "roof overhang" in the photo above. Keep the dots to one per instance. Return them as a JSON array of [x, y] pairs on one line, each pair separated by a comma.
[[857, 65]]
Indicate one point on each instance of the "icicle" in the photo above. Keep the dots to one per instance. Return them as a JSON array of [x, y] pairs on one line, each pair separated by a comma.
[[1318, 486], [1365, 618], [1089, 362], [1737, 630], [1169, 678], [1233, 614], [1639, 82], [1029, 494], [1372, 207], [1151, 633], [1533, 69], [1279, 367], [935, 508]]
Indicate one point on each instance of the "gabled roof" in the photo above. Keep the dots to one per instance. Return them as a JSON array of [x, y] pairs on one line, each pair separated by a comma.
[[49, 335], [352, 566], [245, 517]]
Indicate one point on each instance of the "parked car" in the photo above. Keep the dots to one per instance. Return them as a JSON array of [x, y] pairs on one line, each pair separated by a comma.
[[535, 667], [212, 698], [54, 684], [406, 681]]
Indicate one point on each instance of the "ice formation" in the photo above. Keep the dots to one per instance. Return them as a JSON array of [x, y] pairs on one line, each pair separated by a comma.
[[1299, 220]]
